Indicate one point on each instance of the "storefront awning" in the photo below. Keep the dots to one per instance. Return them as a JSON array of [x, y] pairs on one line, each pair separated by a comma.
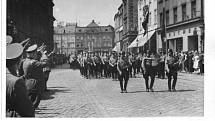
[[146, 38], [140, 40], [117, 47], [134, 43], [121, 28]]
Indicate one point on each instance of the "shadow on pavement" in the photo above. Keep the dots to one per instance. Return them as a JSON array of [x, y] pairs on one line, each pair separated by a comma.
[[163, 91], [56, 87], [52, 91], [48, 113]]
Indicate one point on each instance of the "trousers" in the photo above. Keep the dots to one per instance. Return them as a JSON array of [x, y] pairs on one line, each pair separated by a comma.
[[124, 77]]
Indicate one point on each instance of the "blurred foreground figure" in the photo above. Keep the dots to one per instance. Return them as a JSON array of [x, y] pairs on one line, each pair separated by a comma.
[[17, 102]]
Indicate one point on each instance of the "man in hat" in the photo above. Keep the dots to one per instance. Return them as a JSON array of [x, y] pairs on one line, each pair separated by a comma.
[[171, 67], [17, 101], [149, 66], [113, 66], [161, 65], [33, 72], [122, 67], [47, 68]]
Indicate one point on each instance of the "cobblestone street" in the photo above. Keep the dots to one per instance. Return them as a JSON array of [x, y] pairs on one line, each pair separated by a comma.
[[71, 95]]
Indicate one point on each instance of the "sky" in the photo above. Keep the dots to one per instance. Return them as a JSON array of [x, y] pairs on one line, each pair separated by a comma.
[[84, 11]]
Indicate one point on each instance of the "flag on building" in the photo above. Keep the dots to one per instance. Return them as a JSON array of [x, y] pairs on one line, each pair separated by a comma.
[[146, 18], [163, 26]]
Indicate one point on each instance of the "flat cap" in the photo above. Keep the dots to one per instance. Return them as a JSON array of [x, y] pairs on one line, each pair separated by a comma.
[[31, 48], [14, 51]]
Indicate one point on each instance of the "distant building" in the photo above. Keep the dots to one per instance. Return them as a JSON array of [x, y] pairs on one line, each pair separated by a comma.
[[118, 20], [31, 19], [184, 24], [94, 38], [130, 22], [64, 38]]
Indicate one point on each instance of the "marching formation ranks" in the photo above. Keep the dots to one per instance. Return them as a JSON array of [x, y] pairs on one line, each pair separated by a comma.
[[122, 66]]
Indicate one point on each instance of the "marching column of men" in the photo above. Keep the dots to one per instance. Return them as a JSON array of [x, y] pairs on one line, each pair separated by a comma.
[[26, 78], [121, 66]]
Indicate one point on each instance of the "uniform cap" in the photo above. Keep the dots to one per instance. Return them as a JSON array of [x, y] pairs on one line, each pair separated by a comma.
[[32, 48], [14, 50], [9, 39]]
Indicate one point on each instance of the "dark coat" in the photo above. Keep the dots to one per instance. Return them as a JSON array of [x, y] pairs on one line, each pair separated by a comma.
[[17, 102]]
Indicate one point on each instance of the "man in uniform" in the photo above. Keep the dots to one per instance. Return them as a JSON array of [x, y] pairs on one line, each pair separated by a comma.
[[171, 67], [33, 72], [161, 66], [89, 65], [80, 62], [122, 67], [149, 65], [105, 67], [113, 66], [98, 68], [47, 69], [17, 102], [138, 62], [131, 59]]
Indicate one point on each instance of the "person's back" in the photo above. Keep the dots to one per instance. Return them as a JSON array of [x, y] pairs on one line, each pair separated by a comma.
[[17, 102], [32, 70]]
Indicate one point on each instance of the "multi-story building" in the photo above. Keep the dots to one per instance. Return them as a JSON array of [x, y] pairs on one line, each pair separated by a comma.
[[118, 20], [147, 41], [64, 38], [94, 38], [31, 19], [184, 24], [130, 23]]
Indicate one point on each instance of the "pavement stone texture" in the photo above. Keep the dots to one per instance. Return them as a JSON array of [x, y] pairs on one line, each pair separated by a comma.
[[72, 96]]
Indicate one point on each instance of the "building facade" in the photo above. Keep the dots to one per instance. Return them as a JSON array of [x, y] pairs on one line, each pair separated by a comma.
[[130, 23], [64, 38], [146, 39], [31, 19], [118, 28], [184, 24], [94, 38]]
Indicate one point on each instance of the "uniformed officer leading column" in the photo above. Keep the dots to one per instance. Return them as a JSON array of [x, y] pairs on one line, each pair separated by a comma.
[[149, 66], [171, 67], [122, 67]]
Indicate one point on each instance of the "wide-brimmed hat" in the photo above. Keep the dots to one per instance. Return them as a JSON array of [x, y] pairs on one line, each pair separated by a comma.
[[14, 50]]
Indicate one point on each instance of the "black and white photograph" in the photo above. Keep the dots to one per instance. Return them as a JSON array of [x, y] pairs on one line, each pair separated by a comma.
[[104, 59]]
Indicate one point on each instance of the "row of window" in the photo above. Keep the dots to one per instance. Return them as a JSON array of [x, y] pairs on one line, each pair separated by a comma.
[[104, 44], [183, 11], [80, 30], [93, 37]]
